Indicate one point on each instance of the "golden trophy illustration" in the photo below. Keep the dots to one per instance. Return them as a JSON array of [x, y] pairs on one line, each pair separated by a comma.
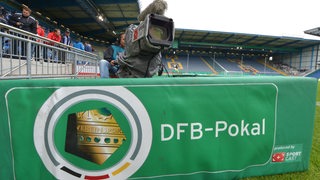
[[93, 135]]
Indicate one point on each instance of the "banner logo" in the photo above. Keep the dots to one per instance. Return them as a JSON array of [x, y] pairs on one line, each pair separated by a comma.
[[92, 133], [287, 153], [278, 157]]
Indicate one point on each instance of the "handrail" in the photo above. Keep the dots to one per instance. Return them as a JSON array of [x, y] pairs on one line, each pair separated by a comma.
[[33, 56]]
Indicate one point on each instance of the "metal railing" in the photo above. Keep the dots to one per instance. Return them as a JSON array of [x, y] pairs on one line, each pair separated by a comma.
[[24, 55]]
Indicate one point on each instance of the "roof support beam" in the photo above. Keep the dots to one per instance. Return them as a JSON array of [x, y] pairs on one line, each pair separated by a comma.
[[226, 39], [248, 40], [204, 37], [286, 44], [268, 42]]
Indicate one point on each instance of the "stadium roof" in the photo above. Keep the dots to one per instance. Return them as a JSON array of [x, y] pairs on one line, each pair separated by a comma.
[[314, 31], [215, 40], [81, 16]]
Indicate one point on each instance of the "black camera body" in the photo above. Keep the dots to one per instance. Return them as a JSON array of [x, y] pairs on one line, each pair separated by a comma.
[[143, 45], [153, 34]]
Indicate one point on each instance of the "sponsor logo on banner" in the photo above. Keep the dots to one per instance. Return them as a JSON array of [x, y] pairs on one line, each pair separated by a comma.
[[278, 157], [92, 133], [288, 153]]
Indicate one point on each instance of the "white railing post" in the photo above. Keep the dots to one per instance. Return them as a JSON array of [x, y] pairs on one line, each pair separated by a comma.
[[29, 53]]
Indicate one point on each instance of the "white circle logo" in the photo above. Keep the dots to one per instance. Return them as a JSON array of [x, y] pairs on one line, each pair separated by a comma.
[[66, 97]]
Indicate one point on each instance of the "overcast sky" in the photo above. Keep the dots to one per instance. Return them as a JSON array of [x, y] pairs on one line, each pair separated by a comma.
[[267, 17]]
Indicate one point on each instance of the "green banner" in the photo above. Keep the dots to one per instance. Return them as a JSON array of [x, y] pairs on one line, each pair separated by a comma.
[[155, 128]]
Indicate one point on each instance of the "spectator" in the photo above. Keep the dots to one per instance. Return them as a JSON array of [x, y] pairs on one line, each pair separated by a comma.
[[109, 64], [6, 44], [24, 20], [5, 40], [78, 44], [2, 18], [39, 49], [40, 30], [66, 38], [87, 46], [55, 36]]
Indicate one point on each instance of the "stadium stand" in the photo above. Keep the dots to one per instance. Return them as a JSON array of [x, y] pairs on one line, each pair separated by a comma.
[[191, 64], [221, 66], [228, 64], [197, 65]]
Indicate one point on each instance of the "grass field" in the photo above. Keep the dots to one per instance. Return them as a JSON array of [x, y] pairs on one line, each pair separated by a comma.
[[314, 167]]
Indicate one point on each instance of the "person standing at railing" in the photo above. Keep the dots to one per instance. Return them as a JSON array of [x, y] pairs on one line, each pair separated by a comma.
[[88, 47], [40, 32], [5, 40], [66, 39], [25, 22], [2, 18], [55, 35], [79, 45]]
